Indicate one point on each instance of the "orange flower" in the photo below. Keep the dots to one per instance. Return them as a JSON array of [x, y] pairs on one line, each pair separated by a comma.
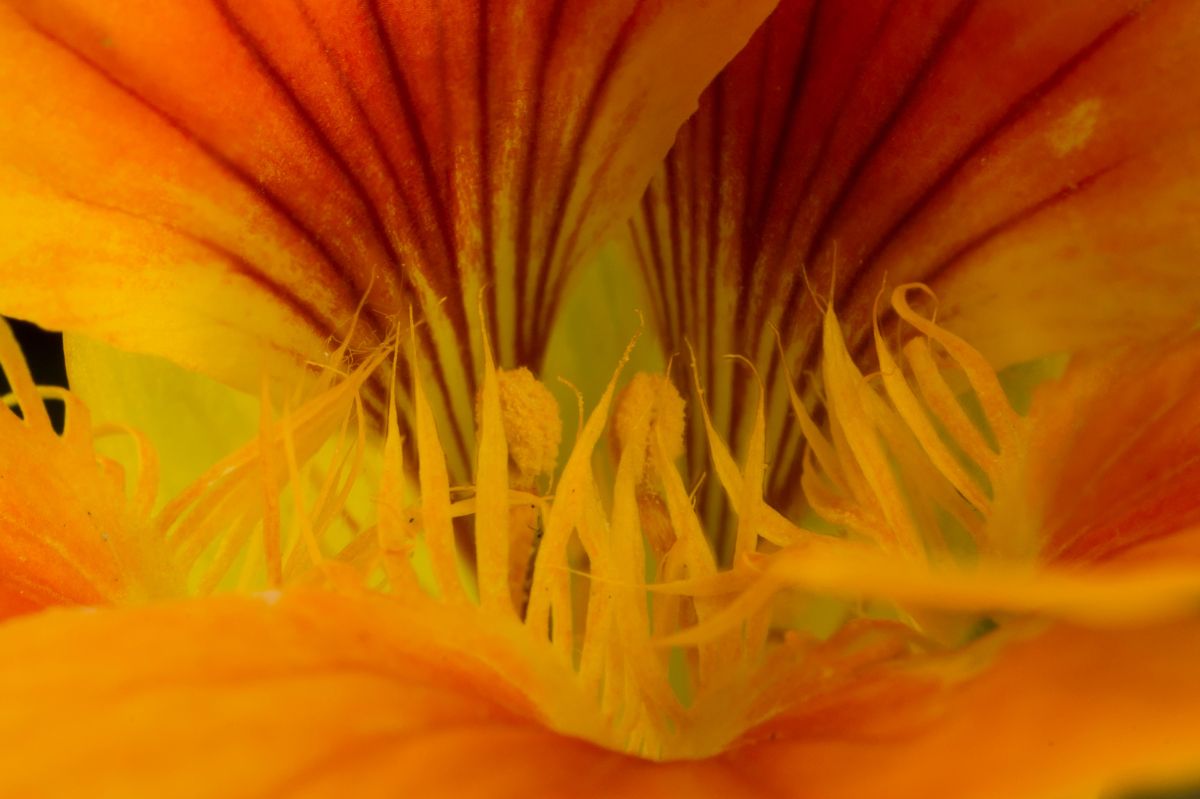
[[905, 576]]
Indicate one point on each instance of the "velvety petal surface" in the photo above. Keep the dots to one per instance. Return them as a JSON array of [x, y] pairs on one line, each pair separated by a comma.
[[307, 695], [313, 694], [1068, 712], [299, 695], [1117, 464], [200, 180], [1037, 167]]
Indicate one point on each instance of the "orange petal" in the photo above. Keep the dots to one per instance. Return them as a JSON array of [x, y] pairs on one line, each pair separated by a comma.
[[1036, 167], [322, 695], [68, 533], [54, 506], [1066, 713], [308, 694], [196, 180], [1116, 454]]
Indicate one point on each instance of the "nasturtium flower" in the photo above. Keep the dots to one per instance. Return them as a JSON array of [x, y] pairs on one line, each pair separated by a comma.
[[894, 491]]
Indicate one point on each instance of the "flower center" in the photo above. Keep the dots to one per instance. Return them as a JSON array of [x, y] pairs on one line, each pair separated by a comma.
[[615, 581]]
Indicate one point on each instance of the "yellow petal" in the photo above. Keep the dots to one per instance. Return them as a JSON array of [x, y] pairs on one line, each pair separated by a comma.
[[191, 420]]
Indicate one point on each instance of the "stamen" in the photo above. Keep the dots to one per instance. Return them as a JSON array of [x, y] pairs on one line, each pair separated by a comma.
[[529, 416], [656, 398], [909, 407], [856, 415], [272, 535], [491, 497], [575, 494], [532, 425], [999, 414], [434, 481], [650, 404], [396, 535], [145, 484]]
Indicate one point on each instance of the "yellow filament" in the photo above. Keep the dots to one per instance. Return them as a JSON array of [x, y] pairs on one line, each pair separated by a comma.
[[909, 407], [850, 393], [817, 443], [491, 497], [1000, 415], [945, 405], [302, 519], [145, 485], [551, 589], [394, 534], [434, 482], [272, 536]]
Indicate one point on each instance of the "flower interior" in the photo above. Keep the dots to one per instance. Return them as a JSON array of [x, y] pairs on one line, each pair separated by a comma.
[[913, 477]]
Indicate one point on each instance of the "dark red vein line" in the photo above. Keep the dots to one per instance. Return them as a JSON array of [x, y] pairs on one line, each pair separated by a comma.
[[1006, 120], [789, 324], [651, 267], [575, 160], [797, 93], [945, 36], [674, 257], [375, 136], [262, 60], [462, 308], [752, 231], [486, 204], [405, 279], [560, 274], [713, 265], [685, 201], [446, 284], [749, 335], [272, 200], [772, 286], [750, 222], [654, 245], [526, 214], [691, 136], [412, 121], [647, 269]]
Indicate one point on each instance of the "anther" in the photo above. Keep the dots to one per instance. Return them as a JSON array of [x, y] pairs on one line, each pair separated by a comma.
[[532, 426], [651, 394], [533, 431]]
